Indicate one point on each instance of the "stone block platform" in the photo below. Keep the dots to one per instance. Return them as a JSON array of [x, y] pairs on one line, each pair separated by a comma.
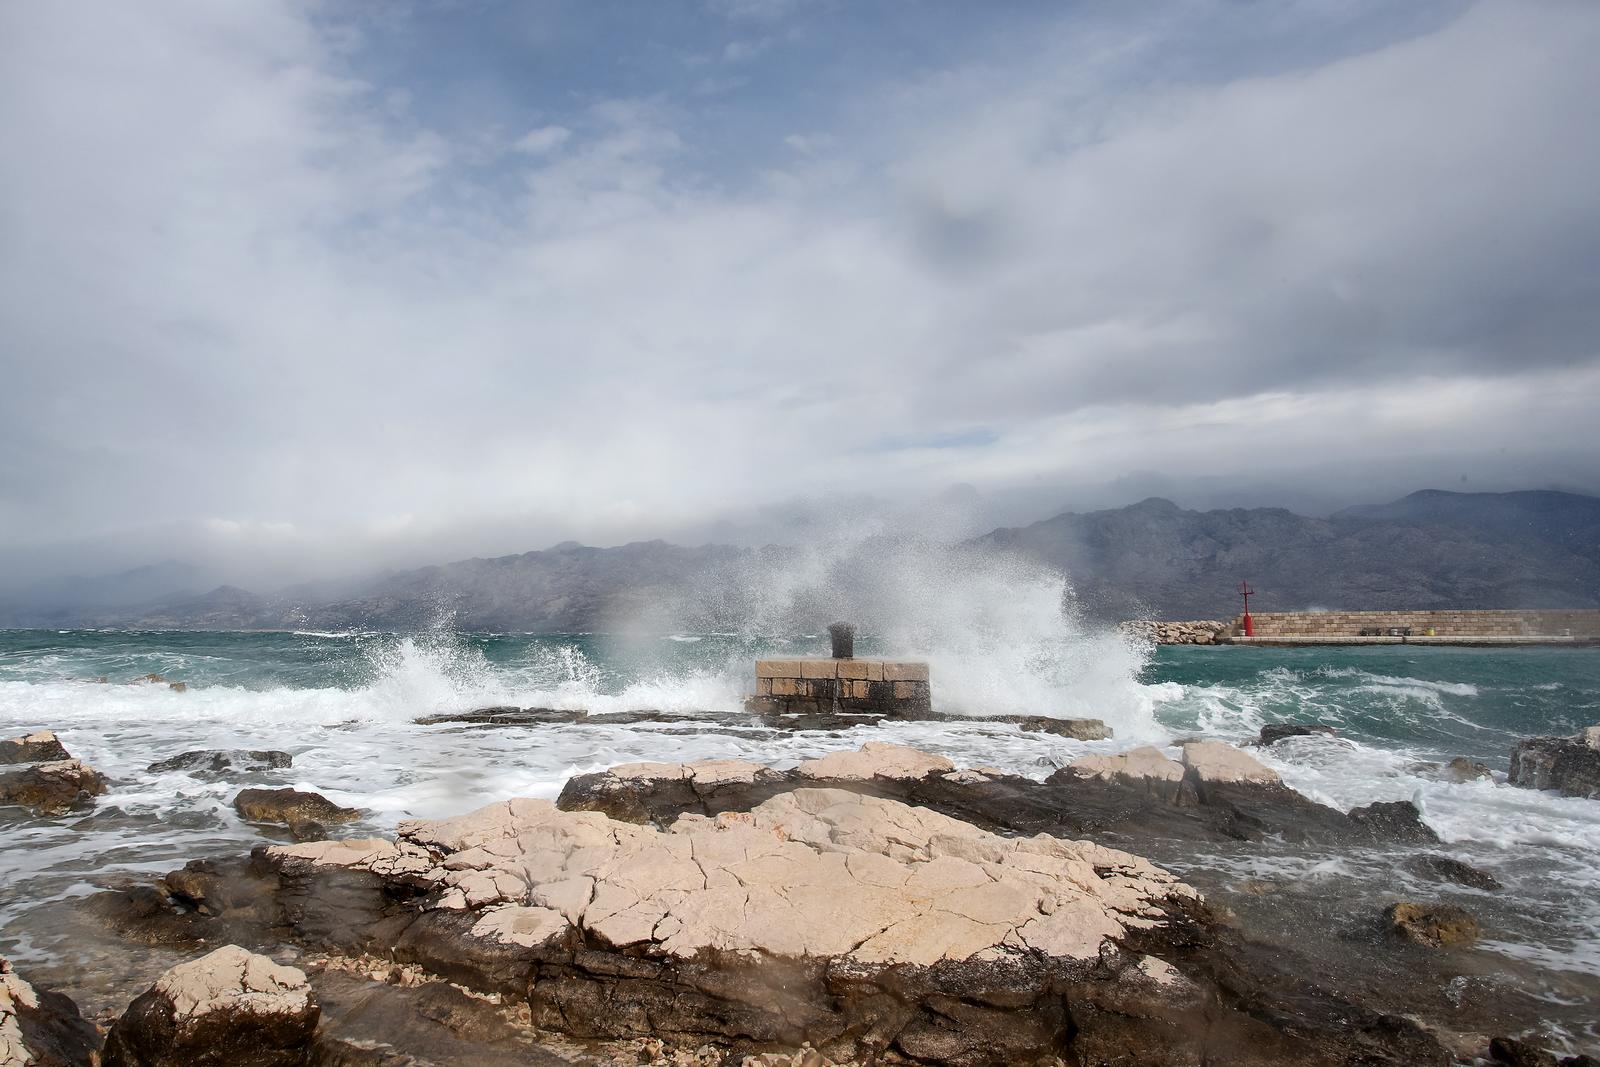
[[862, 686]]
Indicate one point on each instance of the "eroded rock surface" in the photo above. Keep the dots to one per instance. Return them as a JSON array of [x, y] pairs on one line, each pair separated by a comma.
[[1568, 764], [40, 1027], [41, 746], [230, 1007], [52, 788], [290, 806]]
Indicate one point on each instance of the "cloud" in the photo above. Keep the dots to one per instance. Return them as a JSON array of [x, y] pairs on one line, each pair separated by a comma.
[[243, 276], [544, 139]]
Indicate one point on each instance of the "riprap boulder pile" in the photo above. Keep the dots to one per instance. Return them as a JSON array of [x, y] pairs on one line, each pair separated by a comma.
[[1198, 632]]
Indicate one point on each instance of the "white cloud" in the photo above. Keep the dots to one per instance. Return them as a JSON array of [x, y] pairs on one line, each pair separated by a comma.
[[239, 281], [544, 139]]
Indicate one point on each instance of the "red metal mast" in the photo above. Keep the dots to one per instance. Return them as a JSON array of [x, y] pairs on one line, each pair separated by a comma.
[[1249, 623]]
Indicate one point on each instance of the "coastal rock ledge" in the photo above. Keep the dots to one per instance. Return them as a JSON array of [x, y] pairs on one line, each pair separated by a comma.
[[822, 916]]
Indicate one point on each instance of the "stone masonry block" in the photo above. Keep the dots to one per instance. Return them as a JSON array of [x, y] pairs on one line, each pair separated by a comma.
[[853, 668], [819, 668], [763, 687], [785, 687], [777, 668], [905, 672]]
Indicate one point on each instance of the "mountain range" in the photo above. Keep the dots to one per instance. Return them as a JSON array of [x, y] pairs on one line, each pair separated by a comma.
[[1431, 549]]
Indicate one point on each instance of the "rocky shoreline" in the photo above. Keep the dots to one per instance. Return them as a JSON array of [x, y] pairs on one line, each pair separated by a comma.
[[878, 905]]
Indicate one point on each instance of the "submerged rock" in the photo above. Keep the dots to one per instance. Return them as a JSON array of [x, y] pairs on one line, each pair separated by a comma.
[[1445, 869], [290, 806], [1512, 1052], [214, 761], [1432, 925], [39, 747], [1568, 764], [1277, 731], [52, 788], [41, 1027], [230, 1008]]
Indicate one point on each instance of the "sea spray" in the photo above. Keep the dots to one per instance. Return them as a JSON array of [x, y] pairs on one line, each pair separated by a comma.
[[1003, 634]]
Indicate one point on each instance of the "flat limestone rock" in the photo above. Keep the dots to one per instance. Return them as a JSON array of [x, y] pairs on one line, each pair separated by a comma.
[[229, 1007], [1215, 762], [810, 873], [876, 759], [1138, 763], [39, 747], [52, 788]]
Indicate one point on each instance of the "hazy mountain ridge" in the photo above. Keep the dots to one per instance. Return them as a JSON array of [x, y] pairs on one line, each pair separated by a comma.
[[1430, 549]]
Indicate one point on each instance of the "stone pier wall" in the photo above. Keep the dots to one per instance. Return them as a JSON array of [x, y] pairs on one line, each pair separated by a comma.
[[876, 686], [1493, 623]]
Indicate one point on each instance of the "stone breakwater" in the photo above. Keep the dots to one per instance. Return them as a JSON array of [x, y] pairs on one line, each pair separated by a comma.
[[1200, 632]]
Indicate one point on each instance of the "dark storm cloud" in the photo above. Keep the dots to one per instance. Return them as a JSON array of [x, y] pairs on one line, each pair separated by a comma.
[[272, 293]]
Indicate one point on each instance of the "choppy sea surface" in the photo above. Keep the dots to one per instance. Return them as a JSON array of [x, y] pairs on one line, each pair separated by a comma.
[[345, 704]]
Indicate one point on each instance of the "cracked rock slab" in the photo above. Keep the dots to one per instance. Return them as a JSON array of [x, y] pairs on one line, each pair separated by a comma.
[[811, 873]]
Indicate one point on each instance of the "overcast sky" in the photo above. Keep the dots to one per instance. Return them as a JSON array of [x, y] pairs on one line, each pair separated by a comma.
[[287, 286]]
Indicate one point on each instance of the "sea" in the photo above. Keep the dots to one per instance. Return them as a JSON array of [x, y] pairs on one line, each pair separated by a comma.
[[345, 705]]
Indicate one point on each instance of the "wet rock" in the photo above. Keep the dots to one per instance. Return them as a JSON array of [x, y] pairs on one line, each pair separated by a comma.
[[52, 788], [1145, 769], [231, 1008], [290, 806], [1444, 869], [1394, 820], [1462, 769], [1516, 1053], [308, 830], [1431, 925], [213, 761], [41, 1027], [1568, 764], [39, 747], [1277, 731]]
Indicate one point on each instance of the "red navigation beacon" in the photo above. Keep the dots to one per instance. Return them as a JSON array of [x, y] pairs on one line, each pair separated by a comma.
[[1249, 623]]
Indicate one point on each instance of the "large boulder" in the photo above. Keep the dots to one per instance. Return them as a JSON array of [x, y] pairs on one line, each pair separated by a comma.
[[231, 1008], [52, 788], [290, 807], [40, 1027], [1568, 764], [39, 747], [213, 761]]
